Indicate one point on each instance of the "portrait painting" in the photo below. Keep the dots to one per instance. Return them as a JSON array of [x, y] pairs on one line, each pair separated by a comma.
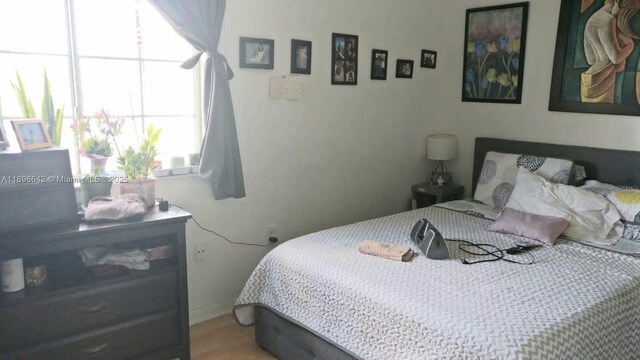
[[597, 58], [300, 57], [494, 53], [256, 53], [344, 59], [379, 64]]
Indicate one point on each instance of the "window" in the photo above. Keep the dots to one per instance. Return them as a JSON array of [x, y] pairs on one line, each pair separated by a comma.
[[120, 55]]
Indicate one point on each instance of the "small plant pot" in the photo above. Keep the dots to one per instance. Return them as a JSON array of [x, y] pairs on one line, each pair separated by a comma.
[[98, 163], [95, 186], [146, 188]]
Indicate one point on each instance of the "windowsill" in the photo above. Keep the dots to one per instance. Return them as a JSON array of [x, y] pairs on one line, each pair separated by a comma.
[[170, 175]]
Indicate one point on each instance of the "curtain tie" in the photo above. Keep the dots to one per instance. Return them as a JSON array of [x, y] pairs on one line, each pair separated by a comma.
[[192, 61], [219, 57]]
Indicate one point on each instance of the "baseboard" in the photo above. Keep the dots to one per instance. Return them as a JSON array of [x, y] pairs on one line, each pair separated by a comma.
[[209, 312]]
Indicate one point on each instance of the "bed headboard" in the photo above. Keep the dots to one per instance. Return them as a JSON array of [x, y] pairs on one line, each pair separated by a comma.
[[618, 167]]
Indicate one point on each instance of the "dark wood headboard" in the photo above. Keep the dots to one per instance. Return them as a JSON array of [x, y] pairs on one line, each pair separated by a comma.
[[618, 167]]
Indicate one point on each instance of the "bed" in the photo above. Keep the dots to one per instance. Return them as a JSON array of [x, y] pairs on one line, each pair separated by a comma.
[[318, 297]]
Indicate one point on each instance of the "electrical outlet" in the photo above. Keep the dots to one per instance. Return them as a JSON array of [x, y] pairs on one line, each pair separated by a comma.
[[201, 250], [272, 232]]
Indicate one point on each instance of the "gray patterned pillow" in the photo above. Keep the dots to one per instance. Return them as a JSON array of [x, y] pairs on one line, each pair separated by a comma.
[[631, 231], [578, 175], [498, 176]]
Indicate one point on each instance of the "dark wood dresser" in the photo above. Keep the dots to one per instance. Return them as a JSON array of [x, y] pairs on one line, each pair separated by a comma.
[[85, 314]]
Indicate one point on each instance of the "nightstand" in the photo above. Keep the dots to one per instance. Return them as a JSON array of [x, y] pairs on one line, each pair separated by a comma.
[[427, 194]]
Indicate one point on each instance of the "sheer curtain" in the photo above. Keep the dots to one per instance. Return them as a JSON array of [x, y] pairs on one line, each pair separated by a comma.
[[200, 23]]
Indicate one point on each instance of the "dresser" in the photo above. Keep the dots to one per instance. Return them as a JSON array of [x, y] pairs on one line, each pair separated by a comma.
[[81, 313]]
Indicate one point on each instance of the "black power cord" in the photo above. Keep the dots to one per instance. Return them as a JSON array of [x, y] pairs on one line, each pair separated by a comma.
[[224, 237], [495, 252]]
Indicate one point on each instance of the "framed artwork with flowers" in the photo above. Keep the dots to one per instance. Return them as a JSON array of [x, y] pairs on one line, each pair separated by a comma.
[[495, 39]]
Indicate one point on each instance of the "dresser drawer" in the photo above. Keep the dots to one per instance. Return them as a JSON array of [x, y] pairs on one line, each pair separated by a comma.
[[30, 323], [128, 340]]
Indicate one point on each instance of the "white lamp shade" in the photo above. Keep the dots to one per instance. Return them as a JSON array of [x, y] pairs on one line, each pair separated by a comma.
[[441, 147]]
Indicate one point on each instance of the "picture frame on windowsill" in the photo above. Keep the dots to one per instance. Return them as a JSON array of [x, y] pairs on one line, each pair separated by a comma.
[[31, 134]]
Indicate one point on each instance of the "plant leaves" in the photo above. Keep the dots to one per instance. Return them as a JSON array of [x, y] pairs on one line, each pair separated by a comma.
[[23, 99]]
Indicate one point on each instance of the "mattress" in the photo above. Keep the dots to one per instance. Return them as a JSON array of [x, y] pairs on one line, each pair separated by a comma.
[[575, 301]]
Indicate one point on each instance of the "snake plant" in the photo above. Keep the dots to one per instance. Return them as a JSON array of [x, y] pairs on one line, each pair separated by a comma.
[[52, 117]]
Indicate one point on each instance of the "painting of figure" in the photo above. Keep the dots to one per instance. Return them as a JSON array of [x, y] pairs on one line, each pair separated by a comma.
[[597, 63]]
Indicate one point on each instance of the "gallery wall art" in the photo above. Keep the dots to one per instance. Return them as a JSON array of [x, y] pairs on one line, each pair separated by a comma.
[[428, 59], [494, 53], [256, 53], [344, 59], [300, 57], [379, 61]]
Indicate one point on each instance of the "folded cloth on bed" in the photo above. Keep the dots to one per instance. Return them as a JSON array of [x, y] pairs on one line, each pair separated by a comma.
[[387, 251], [591, 217]]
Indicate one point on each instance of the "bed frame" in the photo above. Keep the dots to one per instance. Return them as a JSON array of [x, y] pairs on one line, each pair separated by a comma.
[[286, 339]]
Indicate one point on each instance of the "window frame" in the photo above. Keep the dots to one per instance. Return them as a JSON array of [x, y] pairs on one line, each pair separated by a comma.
[[75, 82]]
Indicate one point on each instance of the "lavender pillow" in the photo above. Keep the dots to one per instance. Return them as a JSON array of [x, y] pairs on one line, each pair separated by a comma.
[[538, 227]]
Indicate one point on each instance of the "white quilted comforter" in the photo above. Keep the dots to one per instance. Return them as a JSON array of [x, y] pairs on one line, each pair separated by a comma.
[[575, 302]]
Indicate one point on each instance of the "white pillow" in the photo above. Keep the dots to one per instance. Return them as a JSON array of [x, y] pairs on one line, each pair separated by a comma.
[[591, 217], [498, 176]]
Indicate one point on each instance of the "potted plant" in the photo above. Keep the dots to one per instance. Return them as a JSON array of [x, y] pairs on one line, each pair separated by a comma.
[[137, 165], [95, 135]]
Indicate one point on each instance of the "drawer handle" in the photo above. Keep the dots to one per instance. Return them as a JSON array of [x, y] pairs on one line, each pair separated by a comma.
[[95, 350], [95, 308]]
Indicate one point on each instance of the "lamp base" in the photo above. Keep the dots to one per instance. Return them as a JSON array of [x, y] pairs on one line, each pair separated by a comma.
[[441, 178]]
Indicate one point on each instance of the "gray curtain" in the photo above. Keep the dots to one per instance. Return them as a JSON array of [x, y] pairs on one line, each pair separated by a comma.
[[200, 22]]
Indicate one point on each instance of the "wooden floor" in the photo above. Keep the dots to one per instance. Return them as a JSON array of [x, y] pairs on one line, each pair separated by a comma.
[[223, 338]]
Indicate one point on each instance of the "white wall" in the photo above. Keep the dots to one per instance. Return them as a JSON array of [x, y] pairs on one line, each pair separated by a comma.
[[344, 153], [339, 155]]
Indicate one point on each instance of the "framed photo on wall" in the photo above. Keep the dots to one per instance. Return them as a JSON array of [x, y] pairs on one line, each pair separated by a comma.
[[428, 59], [4, 142], [300, 56], [494, 52], [404, 69], [597, 74], [379, 60], [344, 59], [256, 53], [31, 134]]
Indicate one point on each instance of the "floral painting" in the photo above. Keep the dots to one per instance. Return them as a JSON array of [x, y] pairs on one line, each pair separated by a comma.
[[597, 58], [494, 53]]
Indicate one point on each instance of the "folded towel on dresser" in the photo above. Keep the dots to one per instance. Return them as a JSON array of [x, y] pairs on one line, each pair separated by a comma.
[[387, 251]]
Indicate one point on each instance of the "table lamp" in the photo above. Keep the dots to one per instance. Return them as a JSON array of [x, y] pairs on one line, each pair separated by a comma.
[[441, 147]]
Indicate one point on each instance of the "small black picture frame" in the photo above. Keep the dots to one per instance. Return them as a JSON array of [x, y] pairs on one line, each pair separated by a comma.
[[428, 59], [379, 61], [404, 68], [4, 142], [256, 53], [300, 56], [344, 59]]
